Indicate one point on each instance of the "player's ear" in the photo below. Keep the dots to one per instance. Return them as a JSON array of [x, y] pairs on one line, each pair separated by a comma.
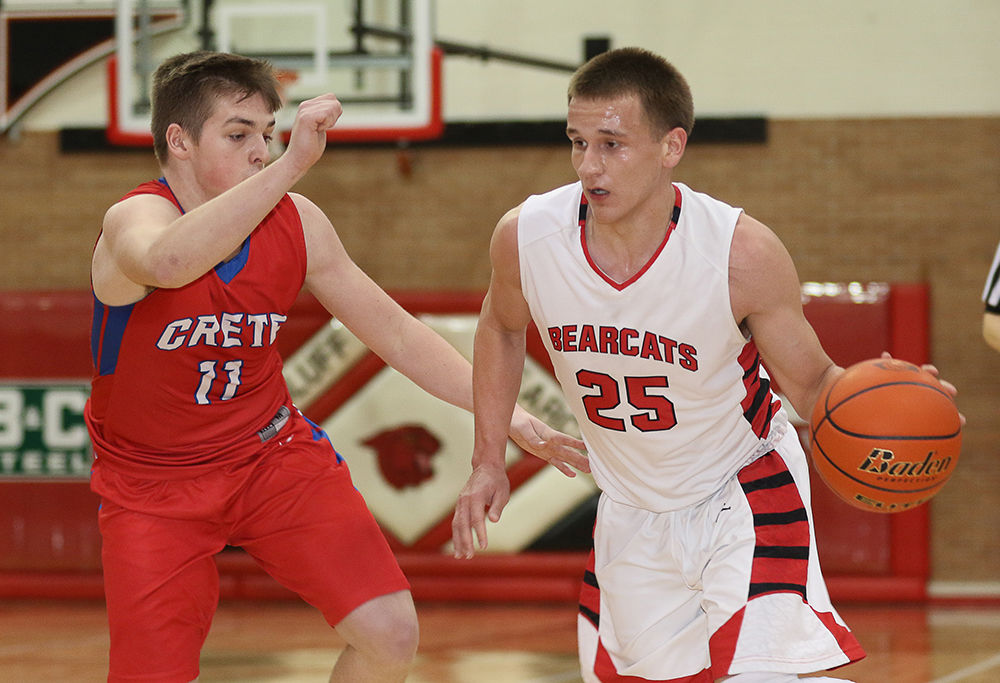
[[178, 141], [673, 144]]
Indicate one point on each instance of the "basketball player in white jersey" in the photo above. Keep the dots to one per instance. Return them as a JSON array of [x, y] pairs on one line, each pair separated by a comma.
[[657, 305]]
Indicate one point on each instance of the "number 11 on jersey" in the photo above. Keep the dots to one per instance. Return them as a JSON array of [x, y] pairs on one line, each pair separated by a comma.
[[207, 368]]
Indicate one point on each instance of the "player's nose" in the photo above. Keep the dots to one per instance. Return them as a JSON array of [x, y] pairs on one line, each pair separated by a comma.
[[260, 151]]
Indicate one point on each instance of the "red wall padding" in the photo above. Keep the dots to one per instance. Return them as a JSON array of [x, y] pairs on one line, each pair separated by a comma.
[[50, 546]]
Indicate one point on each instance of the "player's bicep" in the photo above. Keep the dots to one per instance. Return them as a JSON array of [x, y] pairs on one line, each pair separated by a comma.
[[124, 264], [346, 291], [325, 253], [505, 306], [331, 275], [767, 301]]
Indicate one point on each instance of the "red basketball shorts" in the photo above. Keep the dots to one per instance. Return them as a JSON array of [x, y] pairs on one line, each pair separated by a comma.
[[294, 510]]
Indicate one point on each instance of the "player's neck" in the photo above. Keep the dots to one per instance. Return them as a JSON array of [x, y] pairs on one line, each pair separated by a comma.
[[622, 249], [189, 193]]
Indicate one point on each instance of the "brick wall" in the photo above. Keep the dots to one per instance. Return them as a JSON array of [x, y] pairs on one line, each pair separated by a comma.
[[900, 200]]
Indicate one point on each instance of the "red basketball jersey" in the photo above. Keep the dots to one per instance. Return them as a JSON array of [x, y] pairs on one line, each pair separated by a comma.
[[187, 377]]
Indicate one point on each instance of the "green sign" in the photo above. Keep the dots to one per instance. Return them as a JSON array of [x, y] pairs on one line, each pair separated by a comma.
[[42, 432]]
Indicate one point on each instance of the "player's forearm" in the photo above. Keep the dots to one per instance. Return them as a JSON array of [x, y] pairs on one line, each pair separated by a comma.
[[428, 360], [497, 368], [210, 233]]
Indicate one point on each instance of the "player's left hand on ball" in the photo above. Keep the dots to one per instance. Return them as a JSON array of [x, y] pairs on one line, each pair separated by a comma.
[[945, 384]]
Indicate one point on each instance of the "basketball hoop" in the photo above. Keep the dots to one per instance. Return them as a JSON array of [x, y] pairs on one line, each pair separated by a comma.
[[286, 79]]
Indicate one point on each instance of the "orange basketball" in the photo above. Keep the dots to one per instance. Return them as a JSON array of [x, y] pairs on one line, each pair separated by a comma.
[[885, 436]]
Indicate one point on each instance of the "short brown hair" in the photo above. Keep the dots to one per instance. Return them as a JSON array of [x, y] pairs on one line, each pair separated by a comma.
[[186, 86], [660, 87]]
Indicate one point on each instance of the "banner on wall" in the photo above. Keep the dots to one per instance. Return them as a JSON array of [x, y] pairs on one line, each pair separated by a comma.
[[409, 453], [42, 432]]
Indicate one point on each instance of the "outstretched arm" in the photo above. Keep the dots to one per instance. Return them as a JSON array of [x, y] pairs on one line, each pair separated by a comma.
[[398, 338], [498, 362], [406, 343]]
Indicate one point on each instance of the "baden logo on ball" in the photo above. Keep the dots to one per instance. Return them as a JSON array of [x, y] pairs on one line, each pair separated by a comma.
[[885, 436]]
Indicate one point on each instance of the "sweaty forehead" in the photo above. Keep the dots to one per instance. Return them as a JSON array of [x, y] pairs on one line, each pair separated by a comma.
[[605, 114]]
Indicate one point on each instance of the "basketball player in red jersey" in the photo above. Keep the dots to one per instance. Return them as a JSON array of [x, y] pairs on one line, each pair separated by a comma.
[[657, 305], [197, 443]]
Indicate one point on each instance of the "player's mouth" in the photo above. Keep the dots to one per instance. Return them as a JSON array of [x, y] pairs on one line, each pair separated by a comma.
[[597, 194]]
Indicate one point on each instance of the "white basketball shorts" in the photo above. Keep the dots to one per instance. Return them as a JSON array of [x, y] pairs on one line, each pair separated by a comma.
[[727, 586]]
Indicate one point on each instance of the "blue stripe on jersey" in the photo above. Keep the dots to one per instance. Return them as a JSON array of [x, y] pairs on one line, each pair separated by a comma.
[[227, 270], [106, 335], [95, 330], [319, 434]]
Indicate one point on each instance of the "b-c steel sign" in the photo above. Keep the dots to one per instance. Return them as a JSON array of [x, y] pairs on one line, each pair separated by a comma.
[[42, 432]]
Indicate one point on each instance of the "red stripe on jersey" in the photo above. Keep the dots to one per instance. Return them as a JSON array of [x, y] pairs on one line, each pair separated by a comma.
[[776, 535], [722, 644], [848, 643], [778, 573], [606, 672], [759, 404], [781, 554], [590, 594]]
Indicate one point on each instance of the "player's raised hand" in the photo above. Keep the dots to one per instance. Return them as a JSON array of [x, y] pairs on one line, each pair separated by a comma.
[[312, 120]]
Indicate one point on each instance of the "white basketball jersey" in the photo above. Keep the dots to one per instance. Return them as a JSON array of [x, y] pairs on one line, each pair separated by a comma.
[[670, 396]]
